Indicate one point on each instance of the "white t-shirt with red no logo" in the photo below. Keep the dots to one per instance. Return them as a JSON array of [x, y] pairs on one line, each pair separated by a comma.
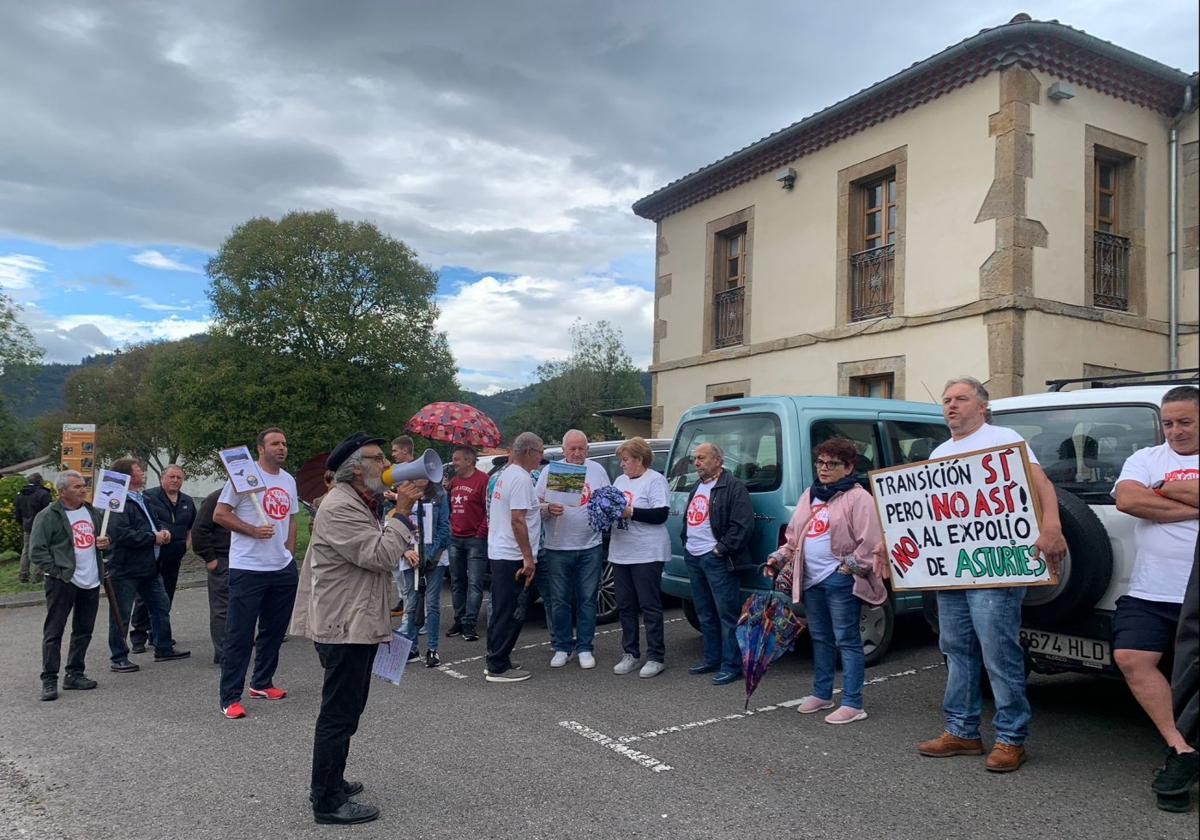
[[641, 542], [819, 560], [700, 537], [571, 531], [1164, 549], [83, 532], [279, 503]]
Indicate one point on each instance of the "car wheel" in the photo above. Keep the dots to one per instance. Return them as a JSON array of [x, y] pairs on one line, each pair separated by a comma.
[[689, 612], [877, 625], [606, 596], [1086, 570]]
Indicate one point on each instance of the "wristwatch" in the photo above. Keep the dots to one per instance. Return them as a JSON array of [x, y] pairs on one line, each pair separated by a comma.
[[1157, 487]]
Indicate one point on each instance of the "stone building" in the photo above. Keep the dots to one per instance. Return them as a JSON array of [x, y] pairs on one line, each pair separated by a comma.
[[1003, 208]]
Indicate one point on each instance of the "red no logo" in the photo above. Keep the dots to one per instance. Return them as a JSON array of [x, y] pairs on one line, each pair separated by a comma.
[[587, 493], [277, 503], [84, 534], [820, 522], [628, 498], [697, 512]]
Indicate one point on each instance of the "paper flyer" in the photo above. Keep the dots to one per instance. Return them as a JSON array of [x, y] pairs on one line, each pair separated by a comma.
[[242, 469], [564, 483], [391, 658], [111, 491]]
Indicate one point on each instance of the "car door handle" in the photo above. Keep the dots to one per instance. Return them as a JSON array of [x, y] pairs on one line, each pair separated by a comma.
[[762, 517]]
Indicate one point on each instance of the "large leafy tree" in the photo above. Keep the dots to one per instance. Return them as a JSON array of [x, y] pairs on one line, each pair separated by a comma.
[[597, 375], [18, 351]]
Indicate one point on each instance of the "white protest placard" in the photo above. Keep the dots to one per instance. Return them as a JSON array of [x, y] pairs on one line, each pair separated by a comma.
[[565, 482], [963, 522], [111, 491], [243, 470], [391, 658]]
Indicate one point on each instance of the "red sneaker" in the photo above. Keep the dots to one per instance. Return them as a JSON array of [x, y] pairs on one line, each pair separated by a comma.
[[234, 711], [268, 693]]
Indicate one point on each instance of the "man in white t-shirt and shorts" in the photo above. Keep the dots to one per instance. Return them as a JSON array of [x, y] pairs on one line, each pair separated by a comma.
[[514, 531], [980, 628], [262, 576], [1160, 485]]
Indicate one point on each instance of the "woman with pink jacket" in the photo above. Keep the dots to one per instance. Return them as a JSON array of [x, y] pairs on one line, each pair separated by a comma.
[[830, 554]]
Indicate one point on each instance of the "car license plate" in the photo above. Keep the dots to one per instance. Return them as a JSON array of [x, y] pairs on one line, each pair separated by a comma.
[[1094, 653]]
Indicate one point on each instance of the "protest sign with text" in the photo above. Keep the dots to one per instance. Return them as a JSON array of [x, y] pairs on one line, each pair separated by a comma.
[[966, 521]]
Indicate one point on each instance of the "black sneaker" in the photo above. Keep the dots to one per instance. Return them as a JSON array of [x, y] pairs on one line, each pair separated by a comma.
[[455, 630], [123, 666], [512, 675], [170, 654], [1178, 774], [349, 813], [50, 689], [432, 660], [413, 654], [77, 682], [470, 636], [138, 647]]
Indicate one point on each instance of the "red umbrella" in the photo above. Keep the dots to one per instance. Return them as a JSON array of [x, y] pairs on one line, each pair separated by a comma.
[[455, 423]]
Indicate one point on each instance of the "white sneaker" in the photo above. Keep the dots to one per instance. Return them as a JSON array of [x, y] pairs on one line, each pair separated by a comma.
[[559, 659], [626, 665], [651, 669], [586, 660]]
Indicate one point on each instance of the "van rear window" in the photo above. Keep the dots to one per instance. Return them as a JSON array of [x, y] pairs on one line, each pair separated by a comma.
[[1082, 448], [751, 443]]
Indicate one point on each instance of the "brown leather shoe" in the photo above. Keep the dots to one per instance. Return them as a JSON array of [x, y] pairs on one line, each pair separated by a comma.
[[1005, 758], [946, 745]]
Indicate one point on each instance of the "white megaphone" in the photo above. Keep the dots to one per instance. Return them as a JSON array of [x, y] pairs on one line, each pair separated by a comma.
[[426, 468]]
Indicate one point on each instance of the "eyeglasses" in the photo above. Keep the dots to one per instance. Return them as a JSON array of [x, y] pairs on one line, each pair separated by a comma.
[[379, 458], [829, 465]]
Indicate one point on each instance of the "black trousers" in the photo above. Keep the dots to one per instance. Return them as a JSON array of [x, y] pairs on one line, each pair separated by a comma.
[[343, 698], [168, 570], [504, 627], [638, 590], [1185, 681], [218, 609], [62, 599], [264, 599]]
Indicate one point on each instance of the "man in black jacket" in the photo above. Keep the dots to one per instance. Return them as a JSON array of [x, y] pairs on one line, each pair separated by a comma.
[[30, 500], [716, 540], [176, 511], [211, 542], [133, 570]]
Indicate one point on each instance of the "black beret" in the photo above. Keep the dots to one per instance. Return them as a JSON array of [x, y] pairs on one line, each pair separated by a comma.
[[348, 447]]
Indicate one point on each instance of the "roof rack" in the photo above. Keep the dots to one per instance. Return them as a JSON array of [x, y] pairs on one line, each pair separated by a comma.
[[1182, 376]]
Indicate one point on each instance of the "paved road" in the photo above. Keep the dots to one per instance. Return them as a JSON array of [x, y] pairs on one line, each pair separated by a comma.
[[567, 754]]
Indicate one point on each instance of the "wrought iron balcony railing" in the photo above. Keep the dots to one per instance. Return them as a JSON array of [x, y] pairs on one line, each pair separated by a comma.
[[728, 307], [872, 282], [1110, 270]]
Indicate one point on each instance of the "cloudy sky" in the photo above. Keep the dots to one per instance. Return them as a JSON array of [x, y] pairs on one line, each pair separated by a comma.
[[504, 141]]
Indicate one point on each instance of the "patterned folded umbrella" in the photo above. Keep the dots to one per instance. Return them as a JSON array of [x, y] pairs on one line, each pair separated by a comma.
[[766, 631], [455, 423]]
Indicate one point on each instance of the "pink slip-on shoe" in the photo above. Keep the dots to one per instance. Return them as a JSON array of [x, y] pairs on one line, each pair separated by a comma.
[[846, 714], [811, 705]]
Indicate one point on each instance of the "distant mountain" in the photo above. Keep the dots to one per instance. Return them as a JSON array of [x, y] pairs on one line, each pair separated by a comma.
[[35, 391], [503, 403]]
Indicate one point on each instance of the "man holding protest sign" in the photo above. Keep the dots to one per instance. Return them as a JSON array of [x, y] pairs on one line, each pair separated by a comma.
[[980, 627], [1160, 485], [262, 573]]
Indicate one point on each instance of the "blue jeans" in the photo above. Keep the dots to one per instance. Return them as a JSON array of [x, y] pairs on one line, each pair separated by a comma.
[[431, 590], [468, 568], [150, 589], [833, 615], [980, 627], [572, 582], [718, 602]]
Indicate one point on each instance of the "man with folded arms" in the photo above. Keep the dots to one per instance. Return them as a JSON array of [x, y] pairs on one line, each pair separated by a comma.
[[343, 606], [63, 547]]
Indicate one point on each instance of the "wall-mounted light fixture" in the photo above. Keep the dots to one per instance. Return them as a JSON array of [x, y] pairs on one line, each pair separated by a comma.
[[1060, 91], [786, 178]]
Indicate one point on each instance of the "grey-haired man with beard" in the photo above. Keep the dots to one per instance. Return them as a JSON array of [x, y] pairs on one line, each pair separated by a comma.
[[343, 605]]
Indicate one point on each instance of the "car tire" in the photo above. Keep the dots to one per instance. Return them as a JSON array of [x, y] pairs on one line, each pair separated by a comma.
[[689, 612], [1086, 570], [606, 596], [877, 625]]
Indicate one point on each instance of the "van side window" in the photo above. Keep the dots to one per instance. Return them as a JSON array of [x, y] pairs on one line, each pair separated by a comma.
[[751, 443], [910, 440], [864, 435]]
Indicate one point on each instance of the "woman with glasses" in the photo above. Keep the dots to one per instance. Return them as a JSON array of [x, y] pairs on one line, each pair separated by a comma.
[[830, 555]]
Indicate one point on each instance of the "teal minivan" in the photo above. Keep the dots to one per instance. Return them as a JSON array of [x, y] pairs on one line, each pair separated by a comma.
[[768, 443]]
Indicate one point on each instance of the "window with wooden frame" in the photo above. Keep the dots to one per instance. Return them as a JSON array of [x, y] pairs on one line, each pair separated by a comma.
[[732, 258], [881, 386], [1107, 195], [879, 213], [872, 262], [1110, 247]]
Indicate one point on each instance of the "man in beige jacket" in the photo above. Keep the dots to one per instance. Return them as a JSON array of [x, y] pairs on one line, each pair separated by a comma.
[[343, 605]]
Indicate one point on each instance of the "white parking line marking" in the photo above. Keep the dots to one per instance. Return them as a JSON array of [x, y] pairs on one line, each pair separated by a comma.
[[640, 758], [786, 704]]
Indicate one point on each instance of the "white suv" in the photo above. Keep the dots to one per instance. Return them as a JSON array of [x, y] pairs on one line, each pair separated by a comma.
[[1082, 438]]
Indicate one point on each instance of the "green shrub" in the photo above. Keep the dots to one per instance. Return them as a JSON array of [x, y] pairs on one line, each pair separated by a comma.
[[10, 529]]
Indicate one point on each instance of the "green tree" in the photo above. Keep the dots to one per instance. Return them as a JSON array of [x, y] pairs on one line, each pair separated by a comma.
[[18, 353], [597, 375]]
